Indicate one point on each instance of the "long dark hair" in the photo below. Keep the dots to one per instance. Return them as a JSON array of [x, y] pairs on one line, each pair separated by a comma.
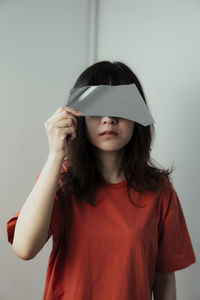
[[83, 177]]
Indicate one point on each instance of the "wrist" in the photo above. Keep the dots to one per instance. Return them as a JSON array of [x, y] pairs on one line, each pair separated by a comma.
[[56, 158]]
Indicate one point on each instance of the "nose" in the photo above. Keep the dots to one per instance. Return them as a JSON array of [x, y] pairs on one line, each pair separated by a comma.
[[110, 120]]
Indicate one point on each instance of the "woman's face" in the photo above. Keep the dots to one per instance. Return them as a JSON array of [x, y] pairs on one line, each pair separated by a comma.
[[95, 125]]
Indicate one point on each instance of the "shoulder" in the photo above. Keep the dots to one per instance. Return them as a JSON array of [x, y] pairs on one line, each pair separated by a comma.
[[167, 189], [168, 198], [167, 185]]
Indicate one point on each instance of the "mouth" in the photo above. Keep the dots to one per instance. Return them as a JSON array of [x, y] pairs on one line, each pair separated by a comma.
[[109, 133]]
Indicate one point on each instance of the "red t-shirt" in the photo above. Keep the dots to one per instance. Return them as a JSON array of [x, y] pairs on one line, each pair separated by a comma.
[[112, 251]]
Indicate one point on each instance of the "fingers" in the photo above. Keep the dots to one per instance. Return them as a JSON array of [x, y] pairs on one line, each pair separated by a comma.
[[66, 113], [69, 122], [69, 109], [61, 129]]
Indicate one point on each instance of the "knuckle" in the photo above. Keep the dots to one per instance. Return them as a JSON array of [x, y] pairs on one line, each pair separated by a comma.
[[68, 122], [64, 115], [62, 137], [71, 122], [50, 126]]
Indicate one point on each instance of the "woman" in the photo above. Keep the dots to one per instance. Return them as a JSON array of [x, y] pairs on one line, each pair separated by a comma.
[[117, 224]]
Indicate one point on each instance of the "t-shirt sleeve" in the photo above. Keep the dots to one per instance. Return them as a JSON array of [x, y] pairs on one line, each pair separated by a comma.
[[56, 223], [175, 249]]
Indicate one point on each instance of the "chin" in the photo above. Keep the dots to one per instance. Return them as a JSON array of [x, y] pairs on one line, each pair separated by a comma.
[[109, 149]]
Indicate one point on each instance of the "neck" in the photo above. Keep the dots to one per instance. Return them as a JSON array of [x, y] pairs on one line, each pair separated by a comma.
[[109, 163]]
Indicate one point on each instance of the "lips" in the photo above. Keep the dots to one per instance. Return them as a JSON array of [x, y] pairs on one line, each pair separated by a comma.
[[108, 132]]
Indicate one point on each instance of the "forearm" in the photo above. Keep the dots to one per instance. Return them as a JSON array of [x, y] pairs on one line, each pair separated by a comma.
[[33, 221], [165, 288]]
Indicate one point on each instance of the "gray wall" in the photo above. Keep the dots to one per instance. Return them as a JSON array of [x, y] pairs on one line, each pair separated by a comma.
[[160, 41], [44, 45]]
